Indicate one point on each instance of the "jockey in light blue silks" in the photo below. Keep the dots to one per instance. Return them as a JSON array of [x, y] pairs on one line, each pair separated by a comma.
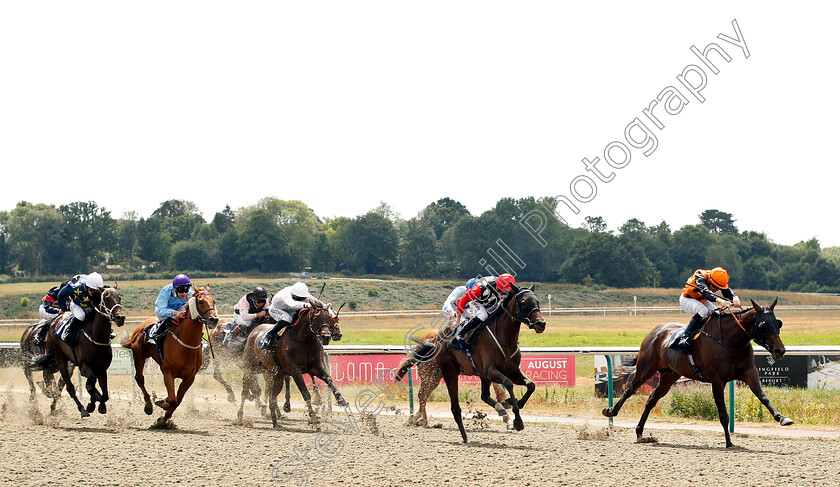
[[170, 304]]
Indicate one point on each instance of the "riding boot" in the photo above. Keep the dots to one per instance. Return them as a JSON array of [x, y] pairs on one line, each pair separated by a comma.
[[459, 341], [691, 330], [157, 338], [272, 334], [41, 335]]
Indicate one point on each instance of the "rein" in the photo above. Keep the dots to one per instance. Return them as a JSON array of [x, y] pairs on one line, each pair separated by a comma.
[[104, 310], [720, 341]]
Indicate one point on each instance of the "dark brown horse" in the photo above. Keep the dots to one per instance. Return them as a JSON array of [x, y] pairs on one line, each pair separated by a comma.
[[29, 350], [721, 354], [181, 351], [430, 376], [298, 351], [495, 353], [91, 353]]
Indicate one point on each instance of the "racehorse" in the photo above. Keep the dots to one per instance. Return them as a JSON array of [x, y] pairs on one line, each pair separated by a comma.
[[91, 353], [722, 355], [496, 355], [298, 351], [228, 354], [29, 350], [181, 347], [430, 376]]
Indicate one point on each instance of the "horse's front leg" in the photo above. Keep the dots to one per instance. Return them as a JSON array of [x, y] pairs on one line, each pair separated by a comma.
[[287, 406], [487, 398], [667, 378], [90, 386], [717, 391], [520, 379], [217, 374], [323, 374], [186, 383], [304, 391], [494, 375], [68, 382], [171, 399], [750, 377], [103, 386]]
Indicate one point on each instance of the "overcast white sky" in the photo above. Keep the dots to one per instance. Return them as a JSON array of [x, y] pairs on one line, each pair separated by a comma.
[[346, 104]]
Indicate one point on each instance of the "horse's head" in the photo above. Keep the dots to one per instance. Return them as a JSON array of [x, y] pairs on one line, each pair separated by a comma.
[[767, 328], [321, 323], [202, 306], [109, 304], [527, 308], [336, 328]]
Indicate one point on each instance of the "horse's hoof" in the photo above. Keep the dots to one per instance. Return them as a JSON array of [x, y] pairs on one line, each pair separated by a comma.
[[287, 408], [231, 397], [607, 412], [102, 409], [148, 409], [518, 425], [90, 407], [85, 414], [342, 402], [785, 421]]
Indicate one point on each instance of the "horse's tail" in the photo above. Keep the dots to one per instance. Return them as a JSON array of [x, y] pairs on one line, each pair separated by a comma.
[[42, 362], [405, 365], [127, 341]]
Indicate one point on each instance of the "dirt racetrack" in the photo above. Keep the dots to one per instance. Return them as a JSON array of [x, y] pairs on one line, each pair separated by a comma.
[[210, 448]]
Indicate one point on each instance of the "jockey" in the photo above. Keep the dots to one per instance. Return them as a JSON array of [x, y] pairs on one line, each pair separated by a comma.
[[285, 306], [77, 293], [698, 295], [485, 299], [170, 304], [49, 310], [450, 311], [250, 311]]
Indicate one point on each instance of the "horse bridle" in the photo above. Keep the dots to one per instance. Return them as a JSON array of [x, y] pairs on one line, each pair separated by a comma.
[[200, 314], [314, 311], [525, 318], [103, 309], [760, 323]]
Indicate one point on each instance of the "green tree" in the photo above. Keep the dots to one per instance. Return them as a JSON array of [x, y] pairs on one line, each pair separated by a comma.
[[375, 241], [442, 214], [419, 253], [153, 242], [299, 225], [90, 230], [223, 220], [32, 230], [126, 235], [718, 222], [261, 245]]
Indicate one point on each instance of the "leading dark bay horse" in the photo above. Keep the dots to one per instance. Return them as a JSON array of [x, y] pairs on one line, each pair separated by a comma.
[[722, 353], [496, 355], [91, 352], [298, 351], [181, 351]]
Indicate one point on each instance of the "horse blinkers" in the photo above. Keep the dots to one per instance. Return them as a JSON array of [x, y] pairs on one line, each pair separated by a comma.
[[766, 328], [526, 306]]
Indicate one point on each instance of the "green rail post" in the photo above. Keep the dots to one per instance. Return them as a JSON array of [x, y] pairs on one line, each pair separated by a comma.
[[732, 406], [410, 393], [610, 384], [329, 393]]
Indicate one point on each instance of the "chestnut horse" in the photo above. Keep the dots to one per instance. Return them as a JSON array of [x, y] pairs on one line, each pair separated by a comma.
[[430, 376], [181, 351], [496, 355], [721, 355], [298, 351], [29, 350], [91, 353]]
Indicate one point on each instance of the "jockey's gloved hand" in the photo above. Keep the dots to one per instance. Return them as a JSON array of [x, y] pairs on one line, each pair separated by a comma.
[[307, 305]]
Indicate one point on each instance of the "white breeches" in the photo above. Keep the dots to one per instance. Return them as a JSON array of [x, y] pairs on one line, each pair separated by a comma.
[[692, 306]]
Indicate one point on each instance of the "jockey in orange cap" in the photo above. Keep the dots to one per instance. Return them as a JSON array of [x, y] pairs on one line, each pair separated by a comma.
[[699, 294], [484, 299]]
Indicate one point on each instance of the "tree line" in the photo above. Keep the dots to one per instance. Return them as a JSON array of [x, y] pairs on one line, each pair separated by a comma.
[[444, 240]]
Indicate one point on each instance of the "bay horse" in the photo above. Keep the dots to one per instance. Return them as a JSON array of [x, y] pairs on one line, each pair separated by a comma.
[[430, 377], [181, 347], [496, 355], [91, 352], [226, 354], [720, 355], [298, 351], [29, 349]]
